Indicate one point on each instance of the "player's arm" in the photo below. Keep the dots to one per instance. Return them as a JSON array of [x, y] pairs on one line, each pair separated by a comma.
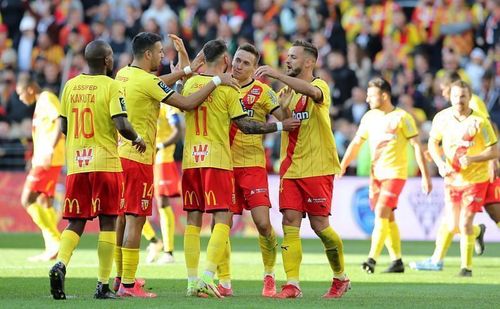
[[175, 136], [351, 153], [127, 131], [187, 68], [419, 156], [489, 153], [192, 101], [299, 85], [437, 155], [248, 126], [63, 122]]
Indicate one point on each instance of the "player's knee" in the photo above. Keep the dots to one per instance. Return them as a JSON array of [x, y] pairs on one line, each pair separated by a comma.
[[107, 223], [77, 226], [264, 227]]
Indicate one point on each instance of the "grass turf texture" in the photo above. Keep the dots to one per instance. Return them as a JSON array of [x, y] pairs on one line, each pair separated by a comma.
[[25, 284]]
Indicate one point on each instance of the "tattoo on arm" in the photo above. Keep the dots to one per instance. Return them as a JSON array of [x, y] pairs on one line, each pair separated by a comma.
[[248, 126]]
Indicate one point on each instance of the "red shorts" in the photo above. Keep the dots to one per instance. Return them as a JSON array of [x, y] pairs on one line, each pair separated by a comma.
[[207, 189], [311, 195], [385, 192], [89, 195], [139, 188], [251, 189], [493, 192], [471, 196], [167, 179], [43, 180]]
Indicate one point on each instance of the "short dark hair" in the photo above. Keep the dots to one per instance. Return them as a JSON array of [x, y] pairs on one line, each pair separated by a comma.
[[450, 77], [308, 47], [252, 50], [144, 41], [461, 84], [380, 83], [213, 49]]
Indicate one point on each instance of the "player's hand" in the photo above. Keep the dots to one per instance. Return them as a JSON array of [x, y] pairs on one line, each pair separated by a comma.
[[228, 80], [444, 170], [198, 61], [493, 170], [267, 71], [290, 124], [426, 185], [464, 161], [140, 146], [342, 172], [174, 68], [178, 43], [285, 97]]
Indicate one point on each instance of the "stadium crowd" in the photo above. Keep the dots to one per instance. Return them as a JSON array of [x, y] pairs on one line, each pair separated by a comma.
[[413, 46]]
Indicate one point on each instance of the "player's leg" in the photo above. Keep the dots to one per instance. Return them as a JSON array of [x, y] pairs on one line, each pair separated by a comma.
[[105, 250], [466, 241], [193, 204], [379, 234], [155, 245], [268, 247], [493, 211], [292, 207], [167, 224], [393, 245], [291, 252], [34, 200], [224, 266], [218, 190], [138, 179], [120, 230], [192, 249], [77, 210]]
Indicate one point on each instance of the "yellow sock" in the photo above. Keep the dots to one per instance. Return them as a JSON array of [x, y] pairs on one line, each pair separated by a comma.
[[393, 241], [216, 246], [334, 249], [105, 251], [118, 261], [167, 223], [54, 217], [443, 242], [380, 232], [291, 252], [148, 231], [224, 267], [192, 249], [130, 261], [498, 224], [39, 217], [476, 230], [50, 217], [466, 249], [69, 241], [268, 248]]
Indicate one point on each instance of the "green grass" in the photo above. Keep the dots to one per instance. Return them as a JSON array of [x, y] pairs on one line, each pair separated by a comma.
[[24, 284]]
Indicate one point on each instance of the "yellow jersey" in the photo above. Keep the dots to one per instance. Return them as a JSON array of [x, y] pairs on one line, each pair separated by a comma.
[[478, 105], [44, 123], [310, 149], [388, 135], [89, 102], [258, 101], [206, 142], [169, 117], [470, 136], [144, 93]]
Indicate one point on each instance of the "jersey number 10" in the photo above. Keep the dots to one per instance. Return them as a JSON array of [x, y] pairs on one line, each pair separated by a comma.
[[84, 122]]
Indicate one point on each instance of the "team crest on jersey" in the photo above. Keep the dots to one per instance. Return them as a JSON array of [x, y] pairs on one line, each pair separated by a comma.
[[163, 86], [144, 204], [122, 104], [84, 156], [200, 152]]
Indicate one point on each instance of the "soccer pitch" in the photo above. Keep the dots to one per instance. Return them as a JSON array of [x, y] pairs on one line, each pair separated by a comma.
[[25, 284]]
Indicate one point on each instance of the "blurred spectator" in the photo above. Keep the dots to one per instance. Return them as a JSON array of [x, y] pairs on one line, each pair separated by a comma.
[[232, 15], [382, 15], [118, 41], [451, 64], [456, 26], [360, 63], [475, 69], [344, 79], [133, 20], [26, 42], [52, 78], [355, 107], [425, 18], [47, 49], [74, 23], [189, 17], [5, 42], [160, 12]]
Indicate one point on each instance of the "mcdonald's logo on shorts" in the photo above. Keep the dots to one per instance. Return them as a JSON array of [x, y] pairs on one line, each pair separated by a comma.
[[96, 205], [69, 204], [190, 195], [210, 199]]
